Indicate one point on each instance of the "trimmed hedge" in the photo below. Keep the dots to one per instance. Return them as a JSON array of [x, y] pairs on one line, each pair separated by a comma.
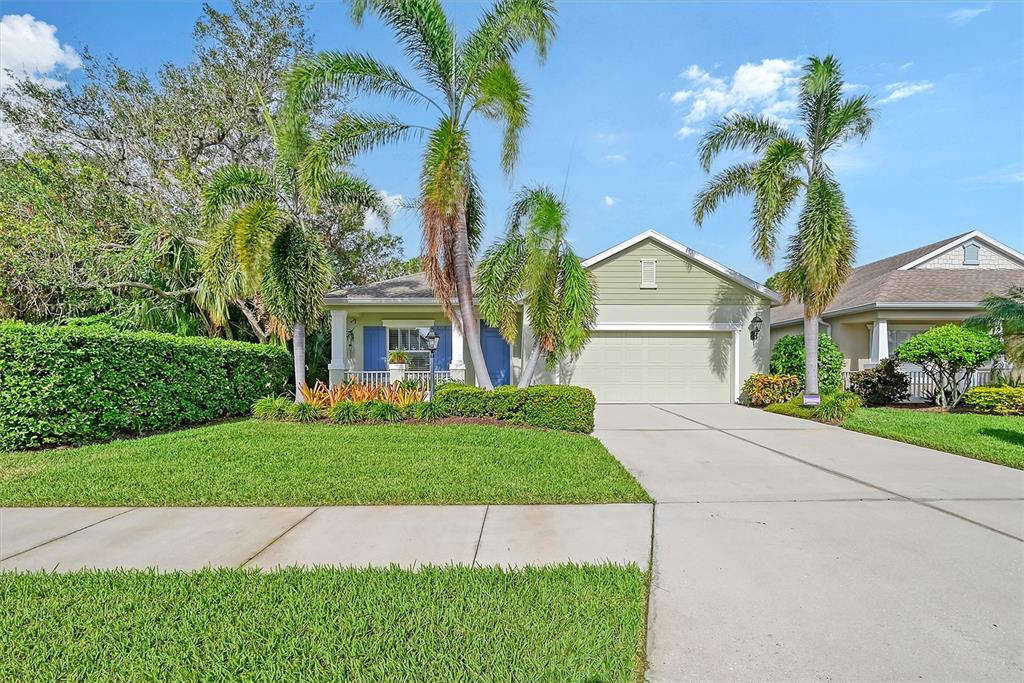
[[789, 358], [554, 407], [70, 385], [1004, 400]]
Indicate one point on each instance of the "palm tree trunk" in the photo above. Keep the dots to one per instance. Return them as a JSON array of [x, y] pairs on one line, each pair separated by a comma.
[[531, 367], [299, 355], [470, 322], [811, 354]]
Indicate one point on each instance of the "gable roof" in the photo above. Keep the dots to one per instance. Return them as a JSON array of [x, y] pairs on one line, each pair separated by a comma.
[[896, 281], [686, 252], [412, 288]]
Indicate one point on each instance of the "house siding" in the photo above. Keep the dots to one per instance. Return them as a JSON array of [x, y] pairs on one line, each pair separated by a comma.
[[988, 259]]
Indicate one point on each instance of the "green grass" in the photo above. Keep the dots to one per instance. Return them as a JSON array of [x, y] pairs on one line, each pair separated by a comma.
[[252, 462], [567, 623], [995, 438]]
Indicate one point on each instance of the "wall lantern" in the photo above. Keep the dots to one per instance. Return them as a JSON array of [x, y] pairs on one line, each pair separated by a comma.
[[430, 339], [755, 327]]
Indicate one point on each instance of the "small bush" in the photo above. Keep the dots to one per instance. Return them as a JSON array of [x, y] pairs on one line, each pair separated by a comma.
[[559, 407], [271, 408], [507, 403], [949, 354], [462, 400], [1003, 400], [383, 412], [794, 407], [835, 408], [788, 358], [765, 390], [427, 411], [881, 385], [304, 412], [347, 412]]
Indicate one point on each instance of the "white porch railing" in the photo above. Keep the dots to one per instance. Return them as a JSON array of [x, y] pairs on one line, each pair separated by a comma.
[[378, 377], [921, 385]]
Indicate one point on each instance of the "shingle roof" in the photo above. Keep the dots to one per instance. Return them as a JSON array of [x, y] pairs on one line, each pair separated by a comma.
[[412, 286], [882, 282]]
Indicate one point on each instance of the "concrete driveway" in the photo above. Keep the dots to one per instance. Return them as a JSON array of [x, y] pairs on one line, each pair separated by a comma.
[[789, 550]]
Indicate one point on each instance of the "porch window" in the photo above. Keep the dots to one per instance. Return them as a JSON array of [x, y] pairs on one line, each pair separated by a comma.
[[408, 339], [899, 335]]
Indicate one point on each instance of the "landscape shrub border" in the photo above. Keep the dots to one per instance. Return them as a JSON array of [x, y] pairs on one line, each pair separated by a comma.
[[565, 408], [63, 385], [997, 400]]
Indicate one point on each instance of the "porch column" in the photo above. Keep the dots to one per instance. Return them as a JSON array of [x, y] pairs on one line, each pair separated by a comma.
[[879, 340], [457, 366], [339, 346]]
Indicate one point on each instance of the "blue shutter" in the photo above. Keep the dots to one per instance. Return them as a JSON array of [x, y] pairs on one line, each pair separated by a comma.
[[443, 355], [497, 354], [375, 348]]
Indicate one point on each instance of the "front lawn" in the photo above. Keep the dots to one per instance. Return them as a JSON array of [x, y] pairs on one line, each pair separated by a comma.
[[252, 462], [995, 438], [567, 623]]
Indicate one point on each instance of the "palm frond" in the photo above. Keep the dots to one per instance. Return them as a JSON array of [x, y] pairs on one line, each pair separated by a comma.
[[502, 96], [578, 310], [776, 186], [739, 131], [330, 73], [1004, 311], [735, 180], [499, 278], [852, 120], [256, 228], [502, 31], [297, 278], [345, 189], [821, 92], [231, 187], [822, 250]]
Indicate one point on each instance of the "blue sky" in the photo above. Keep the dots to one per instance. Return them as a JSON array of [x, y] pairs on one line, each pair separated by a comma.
[[628, 86]]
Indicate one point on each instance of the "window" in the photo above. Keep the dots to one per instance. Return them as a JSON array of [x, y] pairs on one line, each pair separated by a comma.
[[648, 273], [408, 339], [899, 335], [971, 250]]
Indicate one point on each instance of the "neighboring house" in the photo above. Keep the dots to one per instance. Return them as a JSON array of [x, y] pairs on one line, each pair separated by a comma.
[[672, 326], [886, 302]]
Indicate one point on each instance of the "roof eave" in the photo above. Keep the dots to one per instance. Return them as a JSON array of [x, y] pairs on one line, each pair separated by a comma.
[[928, 305]]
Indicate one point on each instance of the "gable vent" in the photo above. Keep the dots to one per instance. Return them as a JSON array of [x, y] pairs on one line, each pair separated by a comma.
[[648, 273]]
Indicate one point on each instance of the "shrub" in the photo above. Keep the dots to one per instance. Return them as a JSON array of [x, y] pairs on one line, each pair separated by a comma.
[[507, 403], [881, 385], [304, 412], [462, 400], [789, 358], [1003, 400], [764, 390], [384, 412], [68, 385], [559, 407], [794, 407], [271, 408], [836, 407], [950, 354], [347, 412], [427, 412]]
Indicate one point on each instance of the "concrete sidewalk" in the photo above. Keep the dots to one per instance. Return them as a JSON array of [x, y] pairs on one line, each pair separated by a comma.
[[66, 539]]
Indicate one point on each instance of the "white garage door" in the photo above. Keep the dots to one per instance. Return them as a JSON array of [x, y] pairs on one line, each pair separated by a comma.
[[666, 367]]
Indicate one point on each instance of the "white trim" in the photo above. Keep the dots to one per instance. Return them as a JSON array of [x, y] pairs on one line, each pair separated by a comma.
[[736, 365], [689, 253], [666, 327], [407, 323], [884, 305], [974, 234], [336, 300]]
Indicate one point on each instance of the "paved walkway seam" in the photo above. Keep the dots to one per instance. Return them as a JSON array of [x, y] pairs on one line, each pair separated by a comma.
[[57, 538], [480, 536], [277, 538]]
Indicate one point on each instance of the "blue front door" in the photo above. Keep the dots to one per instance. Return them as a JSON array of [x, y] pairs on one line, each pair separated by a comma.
[[497, 354]]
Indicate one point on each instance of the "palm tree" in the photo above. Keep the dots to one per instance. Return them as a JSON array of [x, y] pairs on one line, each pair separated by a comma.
[[261, 235], [535, 263], [463, 79], [1005, 313], [820, 253]]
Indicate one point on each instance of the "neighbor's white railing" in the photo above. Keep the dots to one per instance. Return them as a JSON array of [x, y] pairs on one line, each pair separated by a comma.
[[378, 377], [921, 385]]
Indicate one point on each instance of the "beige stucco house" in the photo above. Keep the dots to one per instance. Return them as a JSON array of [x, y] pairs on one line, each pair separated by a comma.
[[673, 326], [886, 302]]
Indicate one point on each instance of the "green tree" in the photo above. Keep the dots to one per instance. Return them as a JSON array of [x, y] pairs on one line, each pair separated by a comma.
[[950, 354], [534, 261], [789, 357], [820, 253], [465, 79], [1005, 313], [262, 237]]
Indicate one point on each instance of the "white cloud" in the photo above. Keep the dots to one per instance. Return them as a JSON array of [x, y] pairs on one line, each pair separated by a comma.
[[31, 50], [906, 65], [617, 158], [609, 201], [966, 14], [905, 89], [853, 87], [1008, 175], [769, 87], [393, 202], [687, 131]]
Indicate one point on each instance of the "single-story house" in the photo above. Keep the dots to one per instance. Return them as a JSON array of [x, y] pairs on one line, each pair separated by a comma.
[[887, 302], [672, 326]]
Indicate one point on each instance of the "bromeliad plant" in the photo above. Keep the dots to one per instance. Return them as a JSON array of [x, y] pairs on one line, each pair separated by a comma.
[[355, 391], [820, 254], [534, 264], [466, 80]]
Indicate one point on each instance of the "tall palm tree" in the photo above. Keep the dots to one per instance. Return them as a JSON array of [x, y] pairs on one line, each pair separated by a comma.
[[461, 79], [535, 263], [261, 234], [820, 253]]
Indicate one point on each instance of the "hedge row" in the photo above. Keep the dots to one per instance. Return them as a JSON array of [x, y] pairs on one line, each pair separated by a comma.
[[69, 385], [554, 407], [1000, 400]]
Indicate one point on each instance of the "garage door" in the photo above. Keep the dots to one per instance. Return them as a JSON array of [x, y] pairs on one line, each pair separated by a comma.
[[668, 367]]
